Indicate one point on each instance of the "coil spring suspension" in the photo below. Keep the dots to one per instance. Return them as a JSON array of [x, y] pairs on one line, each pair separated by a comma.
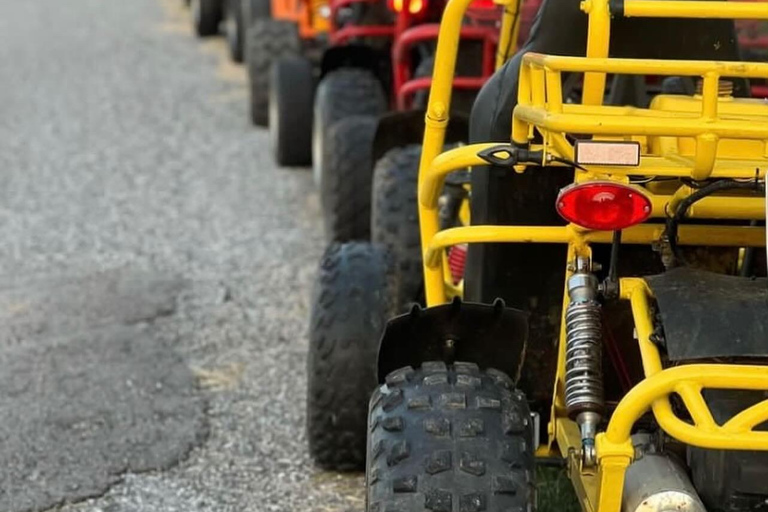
[[584, 373], [583, 356]]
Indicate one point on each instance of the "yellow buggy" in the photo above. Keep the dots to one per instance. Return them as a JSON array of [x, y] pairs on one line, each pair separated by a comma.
[[614, 309]]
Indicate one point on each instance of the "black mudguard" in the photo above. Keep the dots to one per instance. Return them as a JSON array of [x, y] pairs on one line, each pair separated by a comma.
[[397, 129], [490, 335], [707, 315]]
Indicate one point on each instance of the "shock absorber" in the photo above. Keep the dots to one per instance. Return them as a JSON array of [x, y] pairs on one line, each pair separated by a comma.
[[583, 357]]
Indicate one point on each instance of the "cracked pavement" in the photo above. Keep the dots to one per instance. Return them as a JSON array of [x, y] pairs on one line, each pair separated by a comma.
[[155, 268]]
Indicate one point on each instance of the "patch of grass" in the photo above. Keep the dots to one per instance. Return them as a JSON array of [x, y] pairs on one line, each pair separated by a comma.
[[555, 491]]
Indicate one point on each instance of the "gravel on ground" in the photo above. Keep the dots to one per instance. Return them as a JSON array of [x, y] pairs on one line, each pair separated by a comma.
[[126, 150]]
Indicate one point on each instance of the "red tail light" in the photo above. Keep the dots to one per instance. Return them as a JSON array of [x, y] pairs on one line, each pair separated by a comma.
[[414, 6], [483, 4], [603, 205]]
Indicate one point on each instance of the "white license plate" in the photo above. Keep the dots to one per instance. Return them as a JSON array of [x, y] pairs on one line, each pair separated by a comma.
[[595, 152]]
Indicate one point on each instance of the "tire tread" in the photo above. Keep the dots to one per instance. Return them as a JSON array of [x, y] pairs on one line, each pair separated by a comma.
[[350, 305], [395, 217], [267, 41], [346, 187], [428, 465]]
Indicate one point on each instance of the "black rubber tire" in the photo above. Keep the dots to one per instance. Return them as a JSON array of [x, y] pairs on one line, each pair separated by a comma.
[[342, 93], [395, 218], [424, 69], [449, 439], [345, 192], [350, 308], [206, 16], [461, 100], [255, 10], [234, 29], [291, 92], [268, 40]]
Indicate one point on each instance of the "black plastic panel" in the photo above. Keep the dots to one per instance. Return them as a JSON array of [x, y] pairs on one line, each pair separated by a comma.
[[707, 315]]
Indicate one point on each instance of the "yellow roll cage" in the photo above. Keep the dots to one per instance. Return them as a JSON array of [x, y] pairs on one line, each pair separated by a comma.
[[701, 137]]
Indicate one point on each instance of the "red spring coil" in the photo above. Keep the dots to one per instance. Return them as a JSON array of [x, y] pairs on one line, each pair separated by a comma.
[[457, 260]]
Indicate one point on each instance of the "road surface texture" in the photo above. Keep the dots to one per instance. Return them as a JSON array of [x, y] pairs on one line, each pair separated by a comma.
[[155, 269]]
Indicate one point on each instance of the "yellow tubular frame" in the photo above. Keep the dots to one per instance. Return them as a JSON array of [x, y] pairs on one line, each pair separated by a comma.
[[510, 30], [540, 108], [614, 446]]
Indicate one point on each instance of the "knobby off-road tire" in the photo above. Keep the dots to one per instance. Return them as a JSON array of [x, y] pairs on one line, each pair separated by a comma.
[[345, 191], [256, 9], [342, 93], [351, 304], [234, 28], [206, 16], [424, 69], [449, 439], [395, 218], [290, 111], [268, 41]]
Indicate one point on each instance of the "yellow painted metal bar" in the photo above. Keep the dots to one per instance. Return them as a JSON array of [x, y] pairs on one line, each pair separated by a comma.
[[554, 88], [636, 291], [538, 87], [680, 194], [431, 179], [613, 460], [598, 42], [690, 392], [712, 376], [436, 122], [648, 66], [713, 207], [585, 485], [716, 236], [559, 411], [687, 381], [706, 153], [709, 96], [695, 9], [758, 113], [748, 418], [507, 22], [491, 234], [510, 31], [645, 125], [520, 130], [678, 167]]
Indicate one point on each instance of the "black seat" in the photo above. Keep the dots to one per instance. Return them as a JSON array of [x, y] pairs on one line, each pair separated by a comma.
[[560, 28]]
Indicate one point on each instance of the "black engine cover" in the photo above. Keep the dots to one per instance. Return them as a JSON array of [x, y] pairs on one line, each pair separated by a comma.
[[730, 481]]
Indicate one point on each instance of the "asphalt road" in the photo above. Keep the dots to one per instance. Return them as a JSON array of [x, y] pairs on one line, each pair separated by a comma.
[[155, 269]]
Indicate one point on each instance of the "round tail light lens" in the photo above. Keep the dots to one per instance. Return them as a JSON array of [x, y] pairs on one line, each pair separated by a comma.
[[603, 205]]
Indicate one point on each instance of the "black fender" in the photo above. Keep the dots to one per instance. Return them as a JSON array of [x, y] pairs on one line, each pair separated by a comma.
[[489, 335], [350, 55], [397, 129], [711, 316]]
